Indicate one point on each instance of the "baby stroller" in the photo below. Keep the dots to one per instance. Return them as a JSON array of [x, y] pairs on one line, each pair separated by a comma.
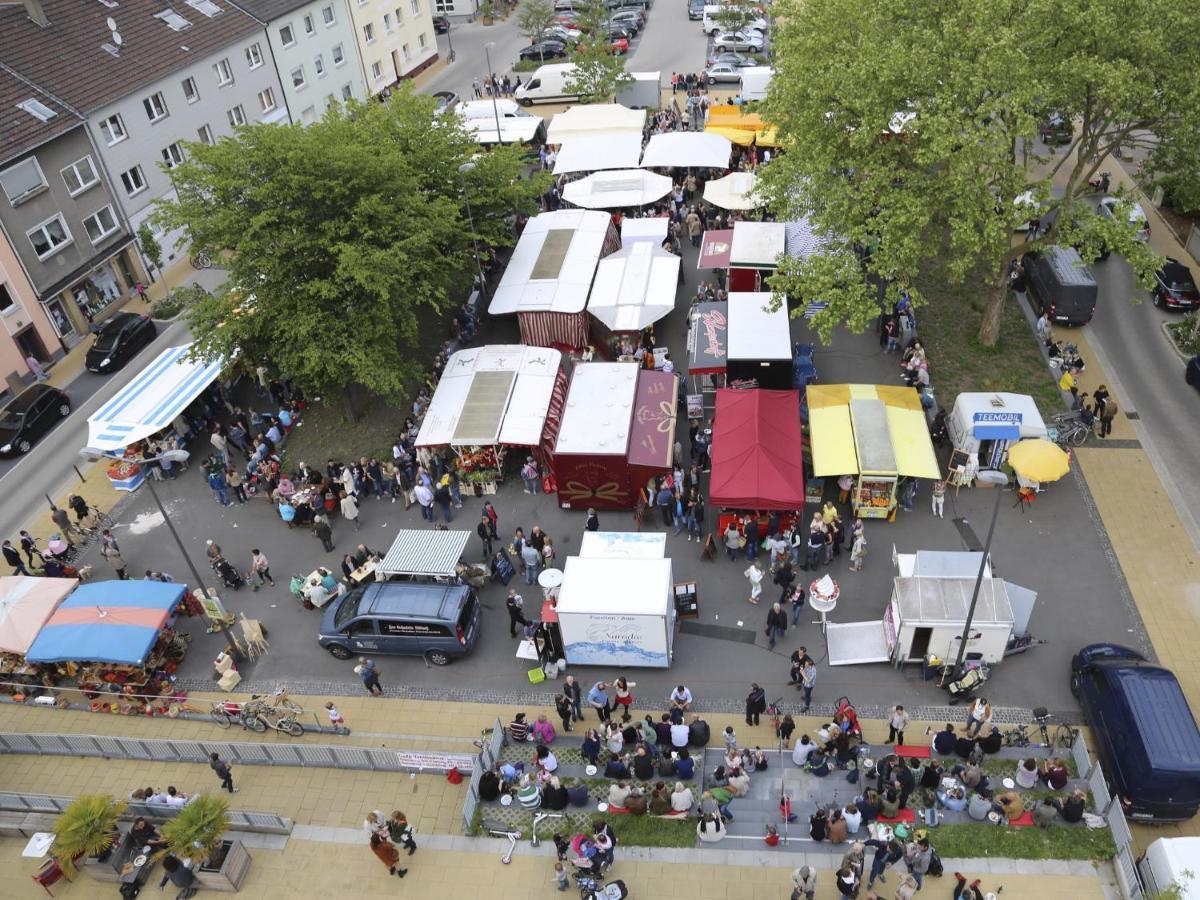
[[594, 889], [227, 573]]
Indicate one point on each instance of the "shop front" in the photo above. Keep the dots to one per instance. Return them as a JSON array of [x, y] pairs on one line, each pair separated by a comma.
[[92, 297]]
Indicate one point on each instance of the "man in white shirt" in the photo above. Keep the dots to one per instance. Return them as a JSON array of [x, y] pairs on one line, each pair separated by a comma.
[[176, 800], [425, 499], [158, 798], [681, 697], [803, 749], [679, 735]]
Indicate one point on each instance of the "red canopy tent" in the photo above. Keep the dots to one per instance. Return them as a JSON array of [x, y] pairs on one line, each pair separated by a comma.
[[756, 456]]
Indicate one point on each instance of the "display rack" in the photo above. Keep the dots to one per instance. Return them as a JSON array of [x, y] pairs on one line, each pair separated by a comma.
[[874, 496]]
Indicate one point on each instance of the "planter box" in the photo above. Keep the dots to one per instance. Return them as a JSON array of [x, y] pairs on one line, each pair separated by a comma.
[[231, 872], [489, 487]]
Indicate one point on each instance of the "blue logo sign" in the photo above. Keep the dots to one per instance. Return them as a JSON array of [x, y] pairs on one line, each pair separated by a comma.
[[1007, 418]]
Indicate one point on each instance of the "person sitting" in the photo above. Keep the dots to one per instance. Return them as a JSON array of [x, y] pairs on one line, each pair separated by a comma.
[[543, 731], [529, 794], [760, 759], [616, 768], [643, 764], [176, 800], [732, 760], [143, 834], [710, 829], [614, 739], [804, 747], [685, 766], [698, 732], [818, 825], [509, 774], [1045, 813], [718, 778], [660, 800], [837, 827], [931, 776], [618, 794], [944, 741], [1072, 807], [1027, 773], [649, 737], [591, 747], [739, 783], [546, 760], [889, 806], [662, 730], [636, 802], [554, 795], [964, 747], [953, 798], [489, 786], [980, 805], [1054, 773], [992, 742], [970, 775], [682, 798], [852, 817], [868, 805], [1011, 805], [818, 764]]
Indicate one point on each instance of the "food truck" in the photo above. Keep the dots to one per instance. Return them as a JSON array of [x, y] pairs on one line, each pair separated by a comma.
[[985, 424]]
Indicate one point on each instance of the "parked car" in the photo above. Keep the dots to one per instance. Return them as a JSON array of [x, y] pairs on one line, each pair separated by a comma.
[[561, 34], [1056, 130], [445, 100], [1142, 730], [1192, 373], [544, 50], [617, 46], [722, 72], [614, 30], [695, 9], [28, 417], [732, 59], [1137, 218], [118, 340], [440, 24], [1174, 286], [630, 17], [738, 40]]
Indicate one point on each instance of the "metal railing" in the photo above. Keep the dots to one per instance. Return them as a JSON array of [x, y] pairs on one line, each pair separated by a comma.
[[245, 753], [1110, 810], [485, 759], [239, 820]]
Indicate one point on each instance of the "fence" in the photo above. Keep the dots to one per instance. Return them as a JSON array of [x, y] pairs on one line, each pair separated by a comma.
[[239, 820], [249, 754], [484, 760], [1114, 817]]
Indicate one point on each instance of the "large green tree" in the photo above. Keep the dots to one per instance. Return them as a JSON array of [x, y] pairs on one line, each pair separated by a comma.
[[599, 74], [345, 236], [534, 17], [908, 127]]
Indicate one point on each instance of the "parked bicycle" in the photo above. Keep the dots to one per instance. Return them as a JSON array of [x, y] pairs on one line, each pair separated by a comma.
[[200, 260], [1063, 735], [226, 713], [1070, 430]]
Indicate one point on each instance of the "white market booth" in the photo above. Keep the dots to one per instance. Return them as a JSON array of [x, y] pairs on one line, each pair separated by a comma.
[[760, 344], [597, 152], [548, 278], [647, 230], [634, 288], [528, 131], [985, 424], [147, 405], [754, 253], [423, 555], [687, 149], [596, 120], [491, 398], [617, 189]]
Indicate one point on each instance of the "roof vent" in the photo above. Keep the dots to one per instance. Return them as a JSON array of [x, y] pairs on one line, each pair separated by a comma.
[[111, 4], [205, 7], [33, 9], [174, 20], [37, 109]]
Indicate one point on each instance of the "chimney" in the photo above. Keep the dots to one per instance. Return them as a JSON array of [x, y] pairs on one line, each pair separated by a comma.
[[34, 9]]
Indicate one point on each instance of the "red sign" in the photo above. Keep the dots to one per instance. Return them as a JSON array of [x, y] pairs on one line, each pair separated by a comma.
[[653, 435], [715, 248]]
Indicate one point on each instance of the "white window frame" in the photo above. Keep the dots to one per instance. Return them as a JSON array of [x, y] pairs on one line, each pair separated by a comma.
[[423, 41], [254, 56], [151, 107], [169, 158], [416, 7], [74, 168], [41, 227], [127, 179], [205, 133], [347, 91], [319, 65], [369, 33], [21, 198], [116, 224], [194, 90], [339, 55], [290, 39], [224, 72], [303, 83], [310, 27], [106, 127], [269, 94], [377, 70], [328, 16], [236, 116]]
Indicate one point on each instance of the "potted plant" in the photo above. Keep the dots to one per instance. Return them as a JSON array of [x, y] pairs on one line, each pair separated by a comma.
[[487, 11], [195, 833], [86, 829]]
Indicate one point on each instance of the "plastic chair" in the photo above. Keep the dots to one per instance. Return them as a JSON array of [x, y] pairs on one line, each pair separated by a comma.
[[50, 873]]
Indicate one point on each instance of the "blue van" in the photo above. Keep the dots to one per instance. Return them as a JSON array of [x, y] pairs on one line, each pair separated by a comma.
[[1143, 731], [402, 618]]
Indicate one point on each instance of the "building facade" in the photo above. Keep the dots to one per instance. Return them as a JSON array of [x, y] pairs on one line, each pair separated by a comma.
[[395, 40], [26, 332], [315, 52]]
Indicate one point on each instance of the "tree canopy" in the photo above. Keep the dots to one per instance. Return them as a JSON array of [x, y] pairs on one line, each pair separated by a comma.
[[344, 237], [908, 133], [534, 17], [599, 74]]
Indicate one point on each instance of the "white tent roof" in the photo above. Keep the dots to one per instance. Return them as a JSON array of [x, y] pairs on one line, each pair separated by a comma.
[[636, 231], [936, 601], [617, 188], [595, 119], [637, 587], [734, 191], [695, 149], [552, 265], [599, 409], [489, 395], [151, 401], [757, 244], [592, 153], [419, 551], [634, 287], [754, 331], [623, 545], [513, 130]]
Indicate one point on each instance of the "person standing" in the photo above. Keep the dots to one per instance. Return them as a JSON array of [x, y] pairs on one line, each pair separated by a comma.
[[624, 696], [387, 854], [692, 222], [858, 550], [221, 768], [797, 599], [443, 498], [112, 556], [12, 556], [896, 725], [515, 605], [29, 547], [179, 875], [531, 556], [401, 832], [784, 577], [350, 509], [484, 530], [918, 856], [369, 675], [260, 566], [979, 715], [756, 704], [598, 700], [754, 575], [939, 498], [529, 475], [562, 705], [424, 495], [63, 522], [777, 623], [1107, 415], [808, 680], [573, 693], [324, 532], [493, 517], [593, 521]]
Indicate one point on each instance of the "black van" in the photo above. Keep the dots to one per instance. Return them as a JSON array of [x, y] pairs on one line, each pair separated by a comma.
[[437, 621], [1143, 731], [1061, 284]]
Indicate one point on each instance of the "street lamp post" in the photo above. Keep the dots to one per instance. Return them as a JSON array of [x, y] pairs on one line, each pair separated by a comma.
[[987, 550], [449, 39], [492, 85], [462, 172]]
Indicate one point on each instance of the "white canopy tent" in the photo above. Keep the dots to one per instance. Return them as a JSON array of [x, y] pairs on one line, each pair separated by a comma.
[[518, 130], [694, 149], [734, 191], [757, 244], [552, 265], [593, 153], [634, 287], [150, 402], [617, 189], [498, 394], [649, 230], [756, 330], [595, 119]]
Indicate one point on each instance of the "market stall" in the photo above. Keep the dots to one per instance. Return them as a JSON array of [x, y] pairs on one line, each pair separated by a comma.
[[983, 425], [419, 554], [754, 252], [596, 153], [26, 603], [618, 431], [735, 191], [742, 128], [492, 398], [634, 288], [149, 404], [646, 230], [760, 345], [617, 189], [875, 432], [548, 278], [756, 455], [687, 149], [603, 120], [707, 349]]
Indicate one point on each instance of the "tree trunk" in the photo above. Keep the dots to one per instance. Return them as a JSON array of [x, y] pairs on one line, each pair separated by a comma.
[[997, 293]]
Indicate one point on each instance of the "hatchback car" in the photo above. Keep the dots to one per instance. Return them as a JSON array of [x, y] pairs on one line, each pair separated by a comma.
[[630, 17], [722, 72], [561, 34], [31, 414], [440, 24], [738, 40], [118, 340], [1137, 218], [1174, 287], [544, 50], [732, 59]]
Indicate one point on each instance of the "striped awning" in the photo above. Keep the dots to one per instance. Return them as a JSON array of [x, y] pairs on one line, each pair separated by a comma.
[[424, 553], [151, 401]]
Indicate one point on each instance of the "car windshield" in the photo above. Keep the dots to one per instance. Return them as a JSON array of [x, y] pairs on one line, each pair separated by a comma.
[[109, 332], [10, 420], [348, 610]]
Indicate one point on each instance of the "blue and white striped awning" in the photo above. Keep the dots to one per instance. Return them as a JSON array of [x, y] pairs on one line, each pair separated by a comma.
[[151, 401]]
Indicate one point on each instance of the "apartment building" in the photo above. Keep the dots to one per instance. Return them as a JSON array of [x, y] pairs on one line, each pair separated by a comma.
[[395, 40], [316, 54]]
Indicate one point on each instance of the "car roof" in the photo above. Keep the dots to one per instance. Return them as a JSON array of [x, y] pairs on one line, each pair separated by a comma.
[[1174, 270], [421, 601], [26, 398], [1158, 706]]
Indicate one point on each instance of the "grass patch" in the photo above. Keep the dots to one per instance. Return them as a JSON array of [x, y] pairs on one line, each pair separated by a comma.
[[948, 326], [329, 432], [974, 841], [631, 831]]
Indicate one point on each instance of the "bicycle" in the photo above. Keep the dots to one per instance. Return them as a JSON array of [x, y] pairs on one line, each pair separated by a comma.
[[775, 712], [278, 719], [224, 713], [1070, 429], [200, 260], [1017, 737], [1064, 735]]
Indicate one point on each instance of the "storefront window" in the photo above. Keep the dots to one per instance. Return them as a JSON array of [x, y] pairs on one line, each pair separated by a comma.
[[97, 291], [58, 318]]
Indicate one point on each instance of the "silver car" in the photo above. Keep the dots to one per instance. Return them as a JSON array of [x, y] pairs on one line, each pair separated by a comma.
[[722, 72], [739, 40]]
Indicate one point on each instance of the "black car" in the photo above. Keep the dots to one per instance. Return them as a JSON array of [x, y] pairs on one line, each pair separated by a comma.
[[1174, 286], [30, 415], [1056, 130], [614, 30], [118, 340], [440, 24], [1192, 373], [544, 50]]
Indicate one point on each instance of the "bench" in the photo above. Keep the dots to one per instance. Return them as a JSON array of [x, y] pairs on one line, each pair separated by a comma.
[[34, 822], [11, 822]]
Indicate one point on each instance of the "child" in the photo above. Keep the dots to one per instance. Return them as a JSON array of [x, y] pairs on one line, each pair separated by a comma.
[[561, 846], [560, 877], [335, 718], [772, 837], [730, 738]]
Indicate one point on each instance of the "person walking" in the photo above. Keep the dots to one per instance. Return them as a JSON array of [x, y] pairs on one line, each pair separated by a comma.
[[234, 480], [484, 530], [896, 725], [179, 875], [531, 556], [808, 680], [401, 832], [777, 623], [797, 600], [562, 705], [515, 605], [369, 675], [443, 498], [756, 704], [387, 854], [939, 498], [350, 509], [221, 768], [324, 532], [112, 556], [260, 567], [12, 556], [63, 522], [336, 721], [493, 518], [593, 521], [624, 696], [858, 550], [29, 547], [785, 576], [529, 476], [754, 574]]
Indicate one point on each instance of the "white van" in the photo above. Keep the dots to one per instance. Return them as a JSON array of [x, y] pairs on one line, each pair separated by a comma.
[[709, 20], [490, 109], [548, 84], [755, 80], [1172, 862]]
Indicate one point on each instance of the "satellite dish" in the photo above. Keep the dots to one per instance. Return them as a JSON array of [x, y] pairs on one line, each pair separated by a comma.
[[111, 23]]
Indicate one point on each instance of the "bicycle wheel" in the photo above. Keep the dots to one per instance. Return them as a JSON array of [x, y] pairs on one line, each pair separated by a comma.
[[1079, 435], [290, 726], [254, 722], [221, 717], [1065, 736]]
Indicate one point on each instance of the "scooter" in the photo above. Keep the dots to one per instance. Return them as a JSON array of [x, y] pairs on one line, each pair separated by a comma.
[[966, 686], [1099, 184]]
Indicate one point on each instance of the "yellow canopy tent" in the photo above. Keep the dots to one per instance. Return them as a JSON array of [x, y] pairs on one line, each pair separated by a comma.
[[741, 127]]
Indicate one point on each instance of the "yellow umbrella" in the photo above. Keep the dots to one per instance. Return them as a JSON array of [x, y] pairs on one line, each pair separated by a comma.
[[1039, 460]]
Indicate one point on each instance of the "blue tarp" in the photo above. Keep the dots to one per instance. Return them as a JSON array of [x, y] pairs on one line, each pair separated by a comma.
[[108, 621]]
